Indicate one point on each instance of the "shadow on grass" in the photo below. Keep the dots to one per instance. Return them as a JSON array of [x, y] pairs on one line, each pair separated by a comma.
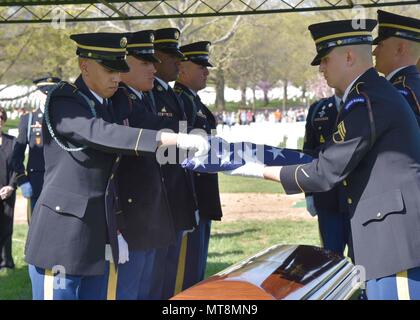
[[215, 267], [15, 284], [220, 235], [224, 253]]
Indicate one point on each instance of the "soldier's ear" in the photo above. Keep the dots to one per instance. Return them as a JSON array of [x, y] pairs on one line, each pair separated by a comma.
[[402, 47], [83, 65]]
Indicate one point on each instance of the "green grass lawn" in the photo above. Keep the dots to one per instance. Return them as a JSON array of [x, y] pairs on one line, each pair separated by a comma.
[[11, 124], [241, 184], [230, 243]]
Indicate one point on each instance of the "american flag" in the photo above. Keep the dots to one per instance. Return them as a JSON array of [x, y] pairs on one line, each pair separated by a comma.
[[224, 156]]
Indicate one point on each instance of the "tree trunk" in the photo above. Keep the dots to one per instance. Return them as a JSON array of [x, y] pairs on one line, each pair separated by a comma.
[[285, 84], [243, 96], [304, 95], [254, 99], [266, 100], [220, 90]]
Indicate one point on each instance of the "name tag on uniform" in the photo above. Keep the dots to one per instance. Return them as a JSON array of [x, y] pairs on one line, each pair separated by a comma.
[[321, 119]]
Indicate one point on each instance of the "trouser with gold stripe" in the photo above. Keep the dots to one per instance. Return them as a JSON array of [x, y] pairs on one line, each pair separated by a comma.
[[30, 208], [404, 285], [164, 270], [182, 264], [193, 256], [49, 286], [132, 280]]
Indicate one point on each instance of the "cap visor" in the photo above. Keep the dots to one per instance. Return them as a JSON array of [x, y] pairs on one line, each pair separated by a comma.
[[115, 65], [317, 60], [204, 63], [321, 54]]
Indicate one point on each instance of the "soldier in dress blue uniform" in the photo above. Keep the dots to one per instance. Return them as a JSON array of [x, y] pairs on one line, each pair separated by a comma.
[[31, 179], [330, 206], [74, 216], [374, 154], [145, 220], [192, 78], [7, 195], [397, 51], [178, 181]]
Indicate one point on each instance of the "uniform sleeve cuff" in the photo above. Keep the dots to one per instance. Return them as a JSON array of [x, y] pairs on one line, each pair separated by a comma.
[[147, 141], [288, 179], [21, 179]]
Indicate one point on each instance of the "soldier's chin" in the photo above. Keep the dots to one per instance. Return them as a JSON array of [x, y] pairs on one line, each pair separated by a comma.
[[110, 92]]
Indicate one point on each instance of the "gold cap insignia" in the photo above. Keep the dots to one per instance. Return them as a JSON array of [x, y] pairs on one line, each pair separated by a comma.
[[176, 35], [163, 109], [208, 47], [89, 54], [152, 37], [339, 42], [123, 42]]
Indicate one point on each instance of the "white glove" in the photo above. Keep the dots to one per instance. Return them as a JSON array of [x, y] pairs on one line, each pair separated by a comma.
[[123, 250], [108, 253], [193, 141], [26, 190], [310, 205], [249, 169], [197, 220], [197, 216], [6, 192]]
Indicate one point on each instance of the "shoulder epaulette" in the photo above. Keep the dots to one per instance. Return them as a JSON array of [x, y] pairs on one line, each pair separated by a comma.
[[178, 89]]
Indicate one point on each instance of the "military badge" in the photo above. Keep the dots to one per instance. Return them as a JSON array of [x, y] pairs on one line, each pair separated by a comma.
[[152, 37], [38, 138], [201, 114], [176, 35], [159, 88], [132, 96], [123, 42]]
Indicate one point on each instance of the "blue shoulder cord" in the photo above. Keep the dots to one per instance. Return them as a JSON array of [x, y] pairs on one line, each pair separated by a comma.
[[90, 103]]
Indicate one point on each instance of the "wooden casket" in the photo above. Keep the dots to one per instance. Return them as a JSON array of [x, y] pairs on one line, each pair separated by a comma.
[[282, 272]]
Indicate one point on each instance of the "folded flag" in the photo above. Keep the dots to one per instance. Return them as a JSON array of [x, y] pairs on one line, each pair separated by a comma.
[[224, 156]]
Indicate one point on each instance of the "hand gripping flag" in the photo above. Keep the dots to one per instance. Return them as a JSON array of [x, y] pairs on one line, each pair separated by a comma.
[[224, 156]]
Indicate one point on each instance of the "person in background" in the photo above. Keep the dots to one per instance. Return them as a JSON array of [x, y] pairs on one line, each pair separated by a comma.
[[397, 51], [31, 178], [192, 78], [7, 195]]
